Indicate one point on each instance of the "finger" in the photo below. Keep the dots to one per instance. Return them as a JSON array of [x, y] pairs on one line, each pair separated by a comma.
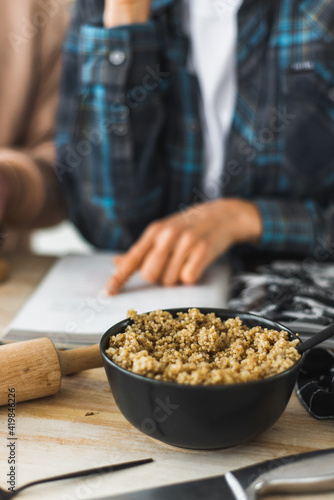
[[188, 241], [212, 244], [171, 275], [117, 260], [125, 270], [155, 262], [117, 281], [199, 259], [131, 261]]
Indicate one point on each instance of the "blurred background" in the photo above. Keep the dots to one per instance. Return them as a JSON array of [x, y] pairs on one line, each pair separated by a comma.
[[60, 239]]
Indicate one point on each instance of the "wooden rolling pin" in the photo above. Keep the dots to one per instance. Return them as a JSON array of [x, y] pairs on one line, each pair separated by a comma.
[[34, 368]]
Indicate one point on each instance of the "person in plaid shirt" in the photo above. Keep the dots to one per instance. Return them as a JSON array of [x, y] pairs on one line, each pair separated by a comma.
[[132, 149]]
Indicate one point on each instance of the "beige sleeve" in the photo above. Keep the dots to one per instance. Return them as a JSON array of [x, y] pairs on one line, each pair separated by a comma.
[[37, 199]]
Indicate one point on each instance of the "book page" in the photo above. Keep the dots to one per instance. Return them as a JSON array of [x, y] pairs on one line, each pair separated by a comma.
[[70, 305]]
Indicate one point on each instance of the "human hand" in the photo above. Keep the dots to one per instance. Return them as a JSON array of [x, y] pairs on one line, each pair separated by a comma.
[[180, 247], [120, 12]]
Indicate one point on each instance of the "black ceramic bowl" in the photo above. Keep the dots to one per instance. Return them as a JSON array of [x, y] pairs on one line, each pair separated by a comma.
[[201, 417]]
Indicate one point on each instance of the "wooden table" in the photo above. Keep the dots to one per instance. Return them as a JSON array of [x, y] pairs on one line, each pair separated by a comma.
[[54, 435]]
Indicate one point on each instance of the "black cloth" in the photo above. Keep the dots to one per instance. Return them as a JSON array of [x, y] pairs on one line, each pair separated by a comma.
[[315, 383], [300, 296]]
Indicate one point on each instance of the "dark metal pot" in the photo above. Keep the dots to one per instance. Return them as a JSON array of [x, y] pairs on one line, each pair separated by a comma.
[[201, 417]]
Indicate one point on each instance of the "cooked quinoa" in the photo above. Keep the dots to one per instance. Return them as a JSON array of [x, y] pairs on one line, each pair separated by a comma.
[[196, 348]]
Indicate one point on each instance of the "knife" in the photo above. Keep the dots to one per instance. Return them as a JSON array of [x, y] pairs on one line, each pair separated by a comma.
[[310, 472]]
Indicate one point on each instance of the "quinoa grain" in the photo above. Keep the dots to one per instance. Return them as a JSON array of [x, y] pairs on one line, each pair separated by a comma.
[[196, 348]]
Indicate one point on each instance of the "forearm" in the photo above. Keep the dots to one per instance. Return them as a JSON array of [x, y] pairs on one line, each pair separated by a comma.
[[32, 196], [123, 12]]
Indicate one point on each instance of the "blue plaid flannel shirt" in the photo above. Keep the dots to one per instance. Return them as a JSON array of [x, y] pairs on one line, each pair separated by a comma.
[[129, 138]]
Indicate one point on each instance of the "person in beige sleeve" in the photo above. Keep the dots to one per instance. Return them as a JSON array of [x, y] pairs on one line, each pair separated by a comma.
[[31, 35]]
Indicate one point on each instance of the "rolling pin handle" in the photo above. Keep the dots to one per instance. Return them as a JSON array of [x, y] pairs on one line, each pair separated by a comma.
[[33, 368], [75, 360]]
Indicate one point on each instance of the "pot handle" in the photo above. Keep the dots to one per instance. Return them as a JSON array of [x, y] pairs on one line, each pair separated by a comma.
[[316, 339]]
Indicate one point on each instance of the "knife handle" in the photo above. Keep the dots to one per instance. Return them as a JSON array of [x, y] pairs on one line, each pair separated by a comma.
[[314, 484], [310, 472]]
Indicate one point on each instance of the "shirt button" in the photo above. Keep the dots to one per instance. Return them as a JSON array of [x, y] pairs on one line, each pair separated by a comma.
[[117, 57], [120, 130], [331, 94]]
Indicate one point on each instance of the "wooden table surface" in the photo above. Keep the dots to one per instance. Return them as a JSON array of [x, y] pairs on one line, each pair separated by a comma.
[[54, 435]]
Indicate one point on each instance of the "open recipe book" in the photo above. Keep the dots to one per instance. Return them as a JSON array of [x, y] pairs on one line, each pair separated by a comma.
[[71, 307]]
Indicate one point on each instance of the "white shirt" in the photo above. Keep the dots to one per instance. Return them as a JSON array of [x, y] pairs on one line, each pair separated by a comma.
[[212, 28]]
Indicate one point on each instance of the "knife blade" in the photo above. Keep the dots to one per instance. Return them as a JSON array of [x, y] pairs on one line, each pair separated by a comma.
[[310, 472], [304, 472]]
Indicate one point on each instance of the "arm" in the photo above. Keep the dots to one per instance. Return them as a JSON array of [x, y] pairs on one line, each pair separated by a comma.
[[33, 196], [122, 12], [110, 122]]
